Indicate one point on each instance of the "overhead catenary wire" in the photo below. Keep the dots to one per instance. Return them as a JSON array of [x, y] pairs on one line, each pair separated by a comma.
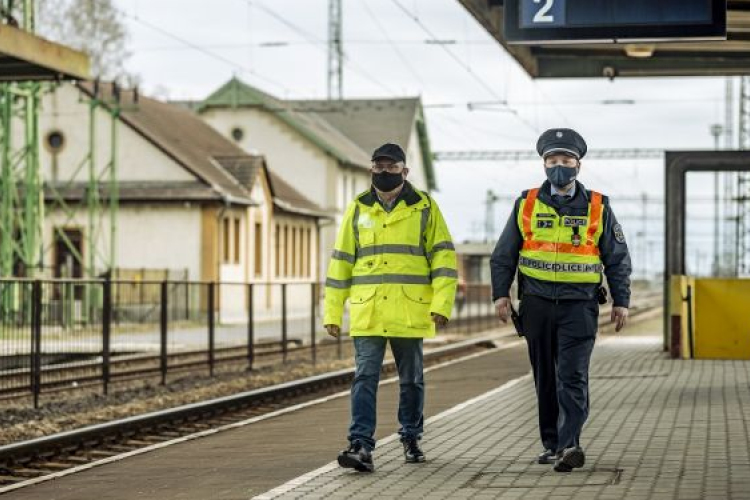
[[409, 66], [465, 66], [284, 43], [320, 44], [206, 52]]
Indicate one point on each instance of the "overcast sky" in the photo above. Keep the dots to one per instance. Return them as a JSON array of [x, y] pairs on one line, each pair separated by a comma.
[[187, 48]]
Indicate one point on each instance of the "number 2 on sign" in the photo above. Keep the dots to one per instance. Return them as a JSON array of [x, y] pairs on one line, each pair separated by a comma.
[[543, 15]]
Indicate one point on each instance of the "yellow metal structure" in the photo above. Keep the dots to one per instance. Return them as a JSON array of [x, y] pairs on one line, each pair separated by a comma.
[[722, 319], [710, 318]]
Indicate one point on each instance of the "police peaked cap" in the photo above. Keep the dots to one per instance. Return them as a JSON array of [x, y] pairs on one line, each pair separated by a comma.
[[561, 140]]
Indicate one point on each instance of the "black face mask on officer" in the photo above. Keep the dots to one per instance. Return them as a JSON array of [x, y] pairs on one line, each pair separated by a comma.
[[560, 175]]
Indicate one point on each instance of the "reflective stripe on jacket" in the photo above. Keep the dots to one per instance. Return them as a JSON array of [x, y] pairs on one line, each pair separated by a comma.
[[561, 249], [395, 268]]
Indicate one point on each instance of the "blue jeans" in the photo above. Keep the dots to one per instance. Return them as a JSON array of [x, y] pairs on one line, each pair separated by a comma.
[[369, 352]]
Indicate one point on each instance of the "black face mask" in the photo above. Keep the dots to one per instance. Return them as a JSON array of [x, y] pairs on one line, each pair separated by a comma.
[[387, 182], [560, 175]]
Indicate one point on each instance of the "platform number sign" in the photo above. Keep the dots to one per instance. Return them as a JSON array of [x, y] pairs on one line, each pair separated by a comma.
[[538, 13], [607, 21]]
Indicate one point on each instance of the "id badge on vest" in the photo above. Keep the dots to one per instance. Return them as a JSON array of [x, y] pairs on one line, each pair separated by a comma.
[[576, 238], [575, 223]]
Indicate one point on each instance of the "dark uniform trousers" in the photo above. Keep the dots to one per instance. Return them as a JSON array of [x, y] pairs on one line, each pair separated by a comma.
[[560, 336]]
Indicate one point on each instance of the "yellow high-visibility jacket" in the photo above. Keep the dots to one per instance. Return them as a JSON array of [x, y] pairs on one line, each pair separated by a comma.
[[562, 249], [395, 268]]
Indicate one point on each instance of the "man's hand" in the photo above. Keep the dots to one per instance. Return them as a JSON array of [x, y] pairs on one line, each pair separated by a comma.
[[333, 330], [620, 317], [439, 320], [502, 308]]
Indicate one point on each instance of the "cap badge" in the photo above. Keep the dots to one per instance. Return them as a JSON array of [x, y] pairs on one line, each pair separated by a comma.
[[559, 134]]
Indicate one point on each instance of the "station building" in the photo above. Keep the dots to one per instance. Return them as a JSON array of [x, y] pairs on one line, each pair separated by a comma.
[[322, 148]]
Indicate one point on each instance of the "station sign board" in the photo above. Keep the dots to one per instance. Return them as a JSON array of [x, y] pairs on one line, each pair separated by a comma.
[[608, 21]]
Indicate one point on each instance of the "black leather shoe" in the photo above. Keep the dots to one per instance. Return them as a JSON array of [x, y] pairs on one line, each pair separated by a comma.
[[412, 452], [356, 457], [547, 457], [572, 458]]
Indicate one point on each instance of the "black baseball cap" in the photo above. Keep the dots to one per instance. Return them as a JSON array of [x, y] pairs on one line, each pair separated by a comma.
[[561, 141], [389, 150]]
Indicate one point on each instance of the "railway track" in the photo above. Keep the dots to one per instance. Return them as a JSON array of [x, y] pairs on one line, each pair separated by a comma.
[[123, 369], [25, 463]]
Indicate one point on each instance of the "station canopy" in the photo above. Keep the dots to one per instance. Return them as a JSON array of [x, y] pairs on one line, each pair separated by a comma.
[[27, 57], [559, 59]]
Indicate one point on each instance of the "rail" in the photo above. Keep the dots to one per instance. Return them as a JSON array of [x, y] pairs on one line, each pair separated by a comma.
[[74, 335]]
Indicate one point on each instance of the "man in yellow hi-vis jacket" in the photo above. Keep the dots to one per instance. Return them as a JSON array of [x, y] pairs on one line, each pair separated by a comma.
[[395, 262]]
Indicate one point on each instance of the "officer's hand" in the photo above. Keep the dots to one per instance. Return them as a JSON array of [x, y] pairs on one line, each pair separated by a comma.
[[439, 320], [619, 317], [502, 308], [333, 330]]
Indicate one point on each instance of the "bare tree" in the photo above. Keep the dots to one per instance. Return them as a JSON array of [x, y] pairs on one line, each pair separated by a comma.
[[95, 27]]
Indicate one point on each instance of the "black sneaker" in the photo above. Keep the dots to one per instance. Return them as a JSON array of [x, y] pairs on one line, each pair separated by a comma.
[[356, 457], [572, 458], [548, 457], [412, 452]]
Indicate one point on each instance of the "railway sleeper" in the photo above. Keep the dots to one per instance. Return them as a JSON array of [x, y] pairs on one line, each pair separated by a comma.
[[28, 473], [49, 466], [11, 479]]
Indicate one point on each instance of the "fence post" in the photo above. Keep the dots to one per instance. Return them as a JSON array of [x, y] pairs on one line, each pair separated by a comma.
[[283, 323], [211, 321], [313, 346], [250, 327], [36, 336], [141, 290], [473, 312], [106, 332], [490, 311], [163, 329], [187, 300], [471, 309]]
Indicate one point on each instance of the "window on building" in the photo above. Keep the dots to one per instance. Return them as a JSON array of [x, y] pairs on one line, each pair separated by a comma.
[[68, 253], [294, 251], [277, 236], [237, 241], [237, 134], [286, 252], [303, 252], [308, 254], [226, 247], [55, 141], [68, 256], [258, 250]]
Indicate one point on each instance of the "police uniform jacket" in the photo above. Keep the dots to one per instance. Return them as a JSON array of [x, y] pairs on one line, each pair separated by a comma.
[[612, 247]]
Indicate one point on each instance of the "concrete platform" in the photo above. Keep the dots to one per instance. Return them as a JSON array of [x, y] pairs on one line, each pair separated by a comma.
[[242, 462], [659, 429]]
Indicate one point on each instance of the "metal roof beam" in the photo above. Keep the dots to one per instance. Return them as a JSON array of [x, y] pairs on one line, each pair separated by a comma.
[[24, 56], [524, 155]]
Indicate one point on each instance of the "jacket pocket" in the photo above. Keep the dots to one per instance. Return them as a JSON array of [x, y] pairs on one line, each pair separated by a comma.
[[366, 237], [417, 303], [362, 306]]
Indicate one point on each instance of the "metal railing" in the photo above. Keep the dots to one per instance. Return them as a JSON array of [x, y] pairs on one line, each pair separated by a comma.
[[74, 334]]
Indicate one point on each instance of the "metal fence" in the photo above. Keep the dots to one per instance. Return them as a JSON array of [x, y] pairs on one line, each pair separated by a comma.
[[66, 334]]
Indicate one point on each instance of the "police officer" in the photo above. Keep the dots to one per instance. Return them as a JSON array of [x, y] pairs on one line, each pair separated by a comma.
[[560, 238], [395, 262]]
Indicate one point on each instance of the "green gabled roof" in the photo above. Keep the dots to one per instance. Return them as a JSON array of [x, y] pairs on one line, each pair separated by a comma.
[[371, 122], [237, 94]]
